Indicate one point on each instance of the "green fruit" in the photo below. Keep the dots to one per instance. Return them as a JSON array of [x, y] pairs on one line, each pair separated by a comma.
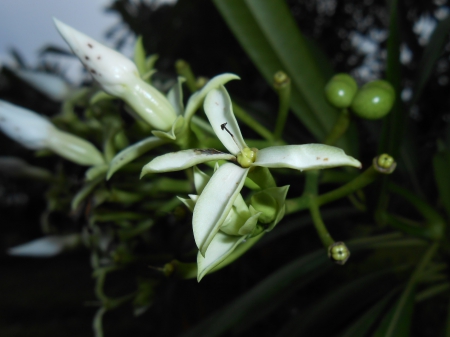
[[340, 90], [374, 100]]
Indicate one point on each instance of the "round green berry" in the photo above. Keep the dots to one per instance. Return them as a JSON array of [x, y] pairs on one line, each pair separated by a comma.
[[340, 90], [374, 100]]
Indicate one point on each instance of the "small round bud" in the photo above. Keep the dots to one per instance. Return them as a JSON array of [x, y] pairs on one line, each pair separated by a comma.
[[341, 90], [374, 100], [247, 157], [384, 163], [266, 204], [338, 253], [280, 79]]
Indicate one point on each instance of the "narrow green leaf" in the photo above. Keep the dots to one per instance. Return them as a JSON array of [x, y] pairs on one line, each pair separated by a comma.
[[441, 164], [283, 35], [85, 191], [246, 29], [430, 55], [361, 326], [139, 56]]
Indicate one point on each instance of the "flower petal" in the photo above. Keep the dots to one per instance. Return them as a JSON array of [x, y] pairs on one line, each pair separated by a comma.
[[219, 111], [221, 246], [197, 97], [189, 203], [215, 203], [181, 160], [24, 126], [304, 157]]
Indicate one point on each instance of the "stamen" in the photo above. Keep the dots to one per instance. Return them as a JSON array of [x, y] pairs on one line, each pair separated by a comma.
[[223, 127]]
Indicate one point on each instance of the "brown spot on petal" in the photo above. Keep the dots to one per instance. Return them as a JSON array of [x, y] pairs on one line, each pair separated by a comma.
[[207, 151], [90, 46], [325, 159], [93, 71], [86, 58], [99, 57], [317, 158]]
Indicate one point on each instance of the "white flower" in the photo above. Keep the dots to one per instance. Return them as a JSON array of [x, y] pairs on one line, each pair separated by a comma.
[[35, 132], [218, 196], [118, 76], [50, 85], [47, 246]]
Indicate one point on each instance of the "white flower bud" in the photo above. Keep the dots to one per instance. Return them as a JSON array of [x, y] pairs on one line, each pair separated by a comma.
[[119, 76], [50, 85], [35, 132]]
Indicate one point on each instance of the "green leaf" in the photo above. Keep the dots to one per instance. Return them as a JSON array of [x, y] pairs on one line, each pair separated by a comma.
[[430, 55], [132, 152], [361, 326], [139, 56], [246, 29], [441, 164], [85, 191]]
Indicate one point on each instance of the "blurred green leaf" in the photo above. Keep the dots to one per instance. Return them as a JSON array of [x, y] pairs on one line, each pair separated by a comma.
[[139, 56], [430, 55], [441, 164]]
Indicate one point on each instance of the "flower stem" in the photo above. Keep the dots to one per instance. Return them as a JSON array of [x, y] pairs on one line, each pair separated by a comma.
[[248, 120], [339, 128], [322, 230], [282, 85]]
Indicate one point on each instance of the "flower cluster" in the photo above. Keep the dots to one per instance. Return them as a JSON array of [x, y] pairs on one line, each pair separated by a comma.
[[223, 219]]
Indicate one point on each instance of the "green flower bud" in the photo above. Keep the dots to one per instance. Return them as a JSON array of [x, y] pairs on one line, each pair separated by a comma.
[[266, 204], [338, 253], [374, 100], [247, 157], [384, 163], [341, 90]]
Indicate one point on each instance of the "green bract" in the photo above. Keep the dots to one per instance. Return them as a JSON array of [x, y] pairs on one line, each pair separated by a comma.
[[341, 90], [374, 100]]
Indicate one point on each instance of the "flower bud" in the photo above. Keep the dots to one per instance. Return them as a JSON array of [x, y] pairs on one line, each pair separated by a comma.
[[374, 100], [35, 132], [341, 90], [338, 253], [50, 85], [118, 76]]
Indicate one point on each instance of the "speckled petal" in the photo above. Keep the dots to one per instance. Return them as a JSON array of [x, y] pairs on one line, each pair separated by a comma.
[[304, 157]]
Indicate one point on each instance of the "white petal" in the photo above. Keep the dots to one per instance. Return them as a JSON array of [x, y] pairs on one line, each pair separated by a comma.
[[304, 157], [219, 111], [200, 179], [47, 246], [50, 85], [196, 98], [24, 126], [215, 202], [176, 161], [109, 68], [221, 246]]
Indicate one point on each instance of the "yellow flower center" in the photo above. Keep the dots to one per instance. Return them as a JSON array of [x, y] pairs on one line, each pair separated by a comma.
[[247, 157]]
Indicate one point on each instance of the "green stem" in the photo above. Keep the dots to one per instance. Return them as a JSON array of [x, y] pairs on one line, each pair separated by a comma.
[[97, 324], [322, 230], [339, 128], [364, 179], [282, 85], [248, 120]]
